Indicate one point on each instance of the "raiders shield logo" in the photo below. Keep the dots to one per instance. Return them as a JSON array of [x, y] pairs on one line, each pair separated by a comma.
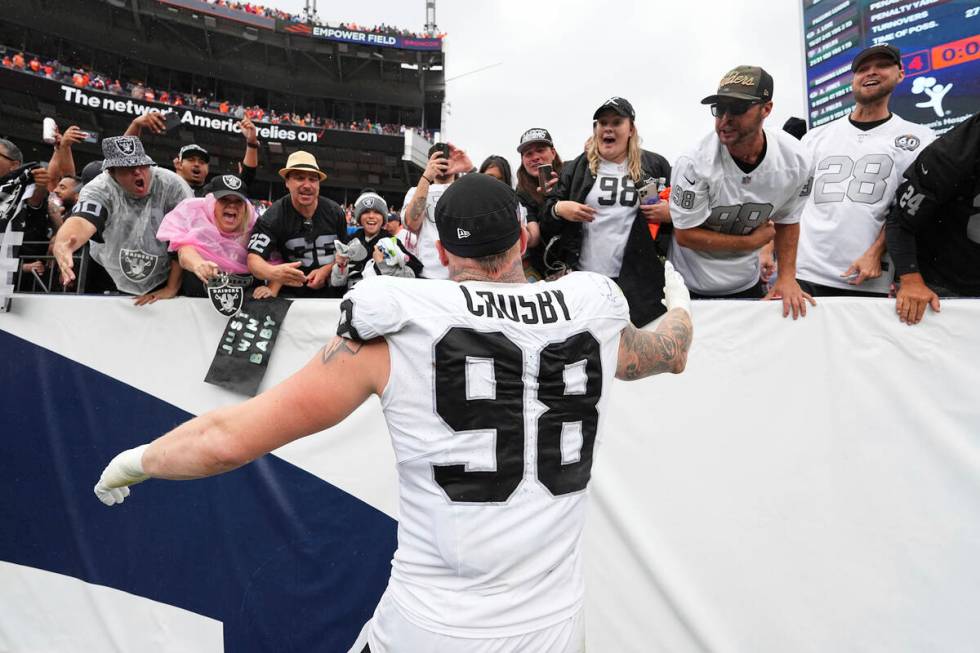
[[127, 146], [136, 264], [232, 182], [227, 293], [907, 142]]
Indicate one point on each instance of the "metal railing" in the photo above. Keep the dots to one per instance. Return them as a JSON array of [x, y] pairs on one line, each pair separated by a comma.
[[48, 281]]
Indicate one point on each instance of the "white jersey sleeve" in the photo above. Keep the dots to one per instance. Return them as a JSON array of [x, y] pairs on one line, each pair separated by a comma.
[[797, 163], [495, 403], [690, 202], [371, 309]]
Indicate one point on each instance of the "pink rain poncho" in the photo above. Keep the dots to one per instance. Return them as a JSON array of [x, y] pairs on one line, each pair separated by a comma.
[[192, 223]]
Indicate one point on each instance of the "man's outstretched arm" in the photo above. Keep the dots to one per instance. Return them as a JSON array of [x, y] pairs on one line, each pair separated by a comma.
[[323, 393], [644, 353]]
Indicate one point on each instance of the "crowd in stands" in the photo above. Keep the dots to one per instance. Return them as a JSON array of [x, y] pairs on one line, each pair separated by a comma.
[[260, 10], [749, 212], [200, 101]]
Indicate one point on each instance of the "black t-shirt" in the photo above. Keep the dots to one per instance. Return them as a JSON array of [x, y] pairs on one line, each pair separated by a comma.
[[283, 230]]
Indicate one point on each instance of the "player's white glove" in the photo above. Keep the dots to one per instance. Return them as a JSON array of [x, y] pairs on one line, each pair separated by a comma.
[[122, 471], [676, 294]]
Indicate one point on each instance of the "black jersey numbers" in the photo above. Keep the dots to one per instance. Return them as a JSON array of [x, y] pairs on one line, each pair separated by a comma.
[[738, 219], [569, 385], [502, 410], [628, 196]]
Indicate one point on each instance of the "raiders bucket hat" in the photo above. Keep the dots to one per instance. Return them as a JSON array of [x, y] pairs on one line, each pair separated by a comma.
[[478, 216], [124, 152]]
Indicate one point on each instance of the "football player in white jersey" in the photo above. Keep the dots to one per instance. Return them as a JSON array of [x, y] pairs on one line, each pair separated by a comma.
[[741, 187], [859, 162], [494, 391]]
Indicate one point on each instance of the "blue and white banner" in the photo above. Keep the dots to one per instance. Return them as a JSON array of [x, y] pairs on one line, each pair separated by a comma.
[[803, 486]]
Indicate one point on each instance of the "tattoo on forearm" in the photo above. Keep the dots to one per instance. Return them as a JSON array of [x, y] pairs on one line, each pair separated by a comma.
[[415, 208], [644, 353], [340, 347]]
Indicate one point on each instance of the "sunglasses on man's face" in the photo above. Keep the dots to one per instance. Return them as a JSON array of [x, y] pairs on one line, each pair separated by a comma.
[[6, 157], [731, 108]]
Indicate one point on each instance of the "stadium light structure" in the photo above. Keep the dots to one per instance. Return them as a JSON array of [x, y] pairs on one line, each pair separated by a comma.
[[430, 17]]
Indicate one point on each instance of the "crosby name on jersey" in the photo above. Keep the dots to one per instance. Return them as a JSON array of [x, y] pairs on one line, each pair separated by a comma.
[[494, 404], [541, 308]]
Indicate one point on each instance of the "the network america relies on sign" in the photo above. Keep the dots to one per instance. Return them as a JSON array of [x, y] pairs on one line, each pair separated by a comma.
[[106, 102]]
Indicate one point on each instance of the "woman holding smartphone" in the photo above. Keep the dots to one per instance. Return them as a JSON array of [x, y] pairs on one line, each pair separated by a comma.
[[597, 212], [540, 163]]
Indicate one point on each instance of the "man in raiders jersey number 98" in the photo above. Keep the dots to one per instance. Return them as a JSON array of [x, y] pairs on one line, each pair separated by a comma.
[[494, 392], [741, 187], [859, 161]]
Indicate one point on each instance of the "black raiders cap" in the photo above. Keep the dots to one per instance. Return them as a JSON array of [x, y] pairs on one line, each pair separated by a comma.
[[193, 150], [885, 49], [619, 105], [534, 136], [478, 216], [224, 185], [749, 83]]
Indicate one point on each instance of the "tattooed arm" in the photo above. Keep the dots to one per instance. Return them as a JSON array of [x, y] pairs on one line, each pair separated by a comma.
[[414, 213], [328, 389], [644, 353]]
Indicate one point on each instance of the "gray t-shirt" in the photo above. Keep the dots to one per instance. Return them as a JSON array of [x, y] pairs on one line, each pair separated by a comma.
[[127, 227]]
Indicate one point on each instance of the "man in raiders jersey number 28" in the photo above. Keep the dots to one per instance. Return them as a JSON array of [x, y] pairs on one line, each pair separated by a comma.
[[741, 187], [494, 392], [859, 162]]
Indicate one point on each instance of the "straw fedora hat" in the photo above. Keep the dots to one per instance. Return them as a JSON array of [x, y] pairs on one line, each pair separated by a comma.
[[301, 162]]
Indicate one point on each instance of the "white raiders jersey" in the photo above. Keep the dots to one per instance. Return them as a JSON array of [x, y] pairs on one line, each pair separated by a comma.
[[856, 176], [709, 190], [423, 244], [494, 404]]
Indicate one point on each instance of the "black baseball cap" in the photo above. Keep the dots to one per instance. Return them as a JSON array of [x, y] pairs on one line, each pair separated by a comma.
[[533, 136], [394, 217], [617, 104], [889, 51], [749, 83], [91, 170], [193, 149], [224, 185], [478, 216]]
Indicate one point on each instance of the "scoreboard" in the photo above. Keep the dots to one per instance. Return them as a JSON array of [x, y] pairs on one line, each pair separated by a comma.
[[940, 45]]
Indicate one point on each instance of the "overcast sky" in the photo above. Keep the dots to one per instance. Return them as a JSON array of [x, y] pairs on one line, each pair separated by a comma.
[[561, 60]]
